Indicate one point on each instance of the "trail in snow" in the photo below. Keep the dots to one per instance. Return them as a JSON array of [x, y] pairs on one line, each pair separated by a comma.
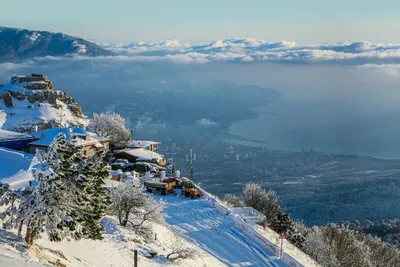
[[216, 233]]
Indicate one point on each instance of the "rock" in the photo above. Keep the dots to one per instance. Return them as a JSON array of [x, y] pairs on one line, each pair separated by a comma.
[[40, 97], [18, 95], [7, 99], [32, 98], [76, 110], [52, 98]]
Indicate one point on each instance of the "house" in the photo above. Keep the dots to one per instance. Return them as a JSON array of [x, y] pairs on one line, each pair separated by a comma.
[[149, 145], [14, 140], [141, 154], [90, 142]]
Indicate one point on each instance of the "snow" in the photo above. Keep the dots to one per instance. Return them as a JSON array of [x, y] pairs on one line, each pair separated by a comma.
[[142, 143], [8, 135], [47, 136], [142, 153], [218, 240], [288, 248], [15, 168], [80, 48], [217, 234], [25, 114], [116, 249], [33, 37]]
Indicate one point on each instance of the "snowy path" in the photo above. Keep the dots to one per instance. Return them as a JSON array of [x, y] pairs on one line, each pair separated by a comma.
[[217, 234]]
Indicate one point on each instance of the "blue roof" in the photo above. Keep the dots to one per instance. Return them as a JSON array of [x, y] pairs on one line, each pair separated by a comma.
[[46, 137]]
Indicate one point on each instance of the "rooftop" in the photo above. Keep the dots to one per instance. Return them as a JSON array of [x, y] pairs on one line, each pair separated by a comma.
[[46, 137], [142, 143], [9, 136], [142, 153]]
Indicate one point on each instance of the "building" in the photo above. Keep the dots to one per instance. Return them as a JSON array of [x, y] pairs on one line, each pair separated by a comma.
[[149, 145], [141, 154], [90, 142], [14, 140]]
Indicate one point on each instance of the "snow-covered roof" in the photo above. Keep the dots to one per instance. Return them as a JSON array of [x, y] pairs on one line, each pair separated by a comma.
[[15, 168], [8, 135], [142, 143], [141, 153], [46, 137]]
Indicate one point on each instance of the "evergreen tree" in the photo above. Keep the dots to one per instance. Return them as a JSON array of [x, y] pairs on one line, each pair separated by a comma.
[[96, 172], [70, 198]]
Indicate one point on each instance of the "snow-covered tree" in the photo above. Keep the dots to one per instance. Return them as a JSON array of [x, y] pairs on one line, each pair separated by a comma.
[[136, 208], [70, 198], [334, 246], [233, 200], [180, 250], [112, 126], [95, 172], [265, 202]]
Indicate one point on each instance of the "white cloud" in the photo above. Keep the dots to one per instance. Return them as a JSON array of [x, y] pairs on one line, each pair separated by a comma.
[[246, 50]]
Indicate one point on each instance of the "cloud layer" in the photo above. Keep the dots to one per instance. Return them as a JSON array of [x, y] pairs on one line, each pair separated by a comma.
[[250, 50]]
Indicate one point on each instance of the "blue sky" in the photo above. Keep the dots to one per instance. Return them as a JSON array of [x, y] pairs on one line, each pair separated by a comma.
[[306, 21]]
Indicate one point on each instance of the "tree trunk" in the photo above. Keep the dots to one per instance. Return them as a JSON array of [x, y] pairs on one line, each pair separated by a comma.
[[30, 236], [120, 217], [125, 220], [21, 223]]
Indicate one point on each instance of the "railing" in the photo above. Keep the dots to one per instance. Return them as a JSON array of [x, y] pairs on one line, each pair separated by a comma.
[[240, 223]]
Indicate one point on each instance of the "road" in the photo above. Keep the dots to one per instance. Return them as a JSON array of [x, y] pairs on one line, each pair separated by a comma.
[[216, 233]]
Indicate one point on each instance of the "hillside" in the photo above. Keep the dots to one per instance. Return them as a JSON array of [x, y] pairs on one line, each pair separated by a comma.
[[20, 44], [218, 240], [24, 105]]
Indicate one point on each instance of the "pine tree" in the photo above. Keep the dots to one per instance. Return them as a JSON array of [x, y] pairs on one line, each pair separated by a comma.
[[41, 209], [96, 172], [282, 223], [72, 188], [70, 198]]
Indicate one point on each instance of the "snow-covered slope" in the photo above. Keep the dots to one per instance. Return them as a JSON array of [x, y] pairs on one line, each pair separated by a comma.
[[37, 107], [17, 44], [14, 166], [116, 249], [217, 239], [217, 234]]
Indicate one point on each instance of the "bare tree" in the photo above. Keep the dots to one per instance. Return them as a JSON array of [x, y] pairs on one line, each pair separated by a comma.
[[134, 207], [179, 250]]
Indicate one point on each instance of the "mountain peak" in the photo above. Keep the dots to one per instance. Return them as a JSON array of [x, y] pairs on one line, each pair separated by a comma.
[[18, 44]]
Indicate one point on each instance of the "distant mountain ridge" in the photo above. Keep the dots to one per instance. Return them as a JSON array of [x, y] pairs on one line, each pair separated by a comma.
[[20, 44]]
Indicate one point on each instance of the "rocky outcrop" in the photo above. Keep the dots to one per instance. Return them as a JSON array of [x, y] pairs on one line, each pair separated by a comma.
[[43, 85], [43, 102], [18, 95], [76, 110], [7, 99], [52, 98]]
